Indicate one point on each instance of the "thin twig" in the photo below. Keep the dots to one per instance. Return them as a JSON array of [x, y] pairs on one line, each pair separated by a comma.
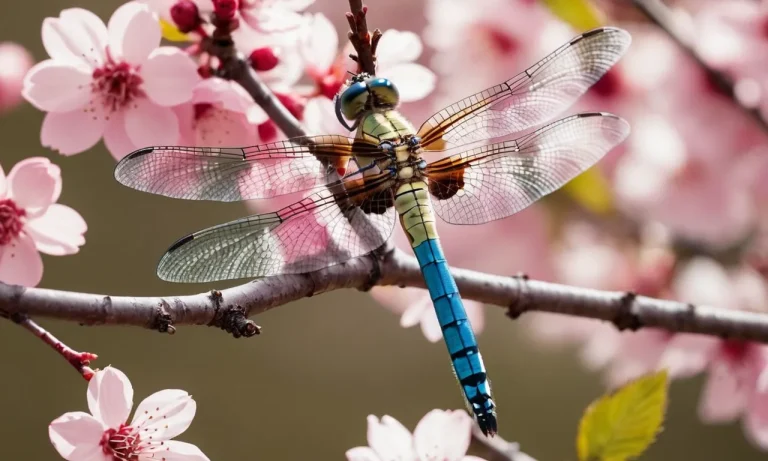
[[79, 360], [660, 14], [394, 267], [362, 40]]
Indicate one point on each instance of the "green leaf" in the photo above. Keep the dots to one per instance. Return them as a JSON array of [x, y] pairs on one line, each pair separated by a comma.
[[592, 191], [172, 33], [580, 14], [622, 425]]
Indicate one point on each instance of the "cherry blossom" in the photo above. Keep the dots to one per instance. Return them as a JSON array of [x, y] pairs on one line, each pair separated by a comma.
[[105, 434], [31, 221], [221, 114], [15, 61], [109, 81], [396, 55], [443, 435]]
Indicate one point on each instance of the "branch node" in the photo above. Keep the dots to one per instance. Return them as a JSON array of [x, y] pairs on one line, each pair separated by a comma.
[[163, 321], [625, 318], [520, 305], [233, 320]]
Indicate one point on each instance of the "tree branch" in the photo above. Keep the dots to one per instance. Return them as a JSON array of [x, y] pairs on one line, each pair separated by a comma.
[[79, 360], [364, 43], [229, 308], [660, 14]]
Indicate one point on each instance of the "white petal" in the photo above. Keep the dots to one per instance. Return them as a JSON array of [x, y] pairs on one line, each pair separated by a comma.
[[320, 44], [116, 139], [3, 183], [53, 86], [390, 439], [443, 435], [417, 308], [723, 398], [414, 81], [133, 32], [20, 263], [75, 37], [165, 414], [110, 396], [362, 454], [173, 450], [430, 326], [59, 231], [148, 124], [76, 437], [169, 76], [397, 47]]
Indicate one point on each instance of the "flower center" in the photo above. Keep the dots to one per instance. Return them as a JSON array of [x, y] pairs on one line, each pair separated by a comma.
[[121, 444], [11, 221], [116, 83]]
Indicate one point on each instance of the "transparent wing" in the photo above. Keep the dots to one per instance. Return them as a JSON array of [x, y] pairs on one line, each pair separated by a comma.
[[228, 174], [498, 180], [532, 97], [325, 228]]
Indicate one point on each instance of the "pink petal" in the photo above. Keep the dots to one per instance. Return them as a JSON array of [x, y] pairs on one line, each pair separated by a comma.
[[397, 47], [77, 37], [15, 62], [395, 299], [723, 399], [133, 32], [3, 183], [414, 81], [390, 439], [116, 139], [476, 315], [361, 454], [20, 263], [165, 414], [430, 326], [110, 396], [73, 132], [34, 184], [169, 76], [418, 307], [59, 231], [173, 450], [320, 44], [443, 435], [76, 437], [148, 124], [53, 86]]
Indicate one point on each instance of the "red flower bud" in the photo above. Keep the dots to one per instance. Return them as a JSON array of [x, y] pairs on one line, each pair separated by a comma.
[[329, 85], [294, 104], [225, 9], [263, 59], [186, 15], [267, 131]]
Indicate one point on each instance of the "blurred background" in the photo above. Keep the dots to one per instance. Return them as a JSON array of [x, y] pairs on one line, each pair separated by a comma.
[[677, 211]]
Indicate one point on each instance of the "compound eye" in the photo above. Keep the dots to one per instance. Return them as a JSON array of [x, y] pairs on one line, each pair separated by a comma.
[[414, 141], [385, 92], [353, 100]]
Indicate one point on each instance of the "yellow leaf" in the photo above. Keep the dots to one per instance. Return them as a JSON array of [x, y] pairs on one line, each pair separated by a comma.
[[592, 191], [580, 14], [622, 425], [172, 33]]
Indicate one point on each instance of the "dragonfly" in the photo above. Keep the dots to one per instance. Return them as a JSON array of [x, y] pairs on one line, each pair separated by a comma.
[[356, 188]]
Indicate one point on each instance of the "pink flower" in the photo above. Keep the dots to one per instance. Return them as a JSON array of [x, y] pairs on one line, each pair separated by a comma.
[[273, 15], [443, 435], [416, 308], [15, 61], [104, 435], [32, 221], [396, 55], [221, 114], [109, 81]]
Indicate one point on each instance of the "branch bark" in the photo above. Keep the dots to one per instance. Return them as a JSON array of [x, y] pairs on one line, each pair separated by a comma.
[[229, 309]]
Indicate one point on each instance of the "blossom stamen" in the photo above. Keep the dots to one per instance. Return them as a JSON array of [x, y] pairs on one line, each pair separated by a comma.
[[116, 83], [123, 444], [11, 221]]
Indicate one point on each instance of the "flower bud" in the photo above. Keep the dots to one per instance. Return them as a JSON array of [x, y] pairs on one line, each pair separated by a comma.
[[186, 15], [263, 59], [267, 131], [225, 9], [294, 104]]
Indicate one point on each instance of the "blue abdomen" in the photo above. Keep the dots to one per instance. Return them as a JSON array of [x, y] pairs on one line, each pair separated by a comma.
[[457, 333]]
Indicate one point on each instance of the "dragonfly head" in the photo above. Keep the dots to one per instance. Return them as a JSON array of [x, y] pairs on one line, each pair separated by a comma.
[[363, 94]]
